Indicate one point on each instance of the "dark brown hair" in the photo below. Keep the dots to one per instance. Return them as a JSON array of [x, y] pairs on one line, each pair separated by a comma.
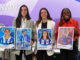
[[40, 18], [7, 29], [18, 20], [61, 19], [47, 34]]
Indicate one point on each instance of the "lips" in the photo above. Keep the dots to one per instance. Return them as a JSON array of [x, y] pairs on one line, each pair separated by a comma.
[[44, 15], [66, 16]]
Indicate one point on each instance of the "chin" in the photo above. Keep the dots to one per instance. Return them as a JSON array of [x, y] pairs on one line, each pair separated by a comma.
[[67, 19], [44, 17]]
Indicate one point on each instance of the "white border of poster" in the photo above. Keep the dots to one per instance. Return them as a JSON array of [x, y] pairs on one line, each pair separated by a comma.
[[65, 38], [7, 45], [40, 44], [28, 36]]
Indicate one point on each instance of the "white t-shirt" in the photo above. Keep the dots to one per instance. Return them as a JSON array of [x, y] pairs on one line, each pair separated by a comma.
[[23, 23]]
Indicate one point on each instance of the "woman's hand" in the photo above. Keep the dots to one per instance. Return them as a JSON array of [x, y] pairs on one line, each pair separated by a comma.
[[76, 32], [35, 37], [31, 43], [8, 52], [26, 41], [19, 46]]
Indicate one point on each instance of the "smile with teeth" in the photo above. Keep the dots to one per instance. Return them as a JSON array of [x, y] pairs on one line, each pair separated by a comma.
[[66, 16]]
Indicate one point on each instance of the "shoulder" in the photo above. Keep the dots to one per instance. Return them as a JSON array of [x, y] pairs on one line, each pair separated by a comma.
[[51, 22], [1, 38], [58, 22], [31, 20], [14, 22], [74, 20], [14, 19]]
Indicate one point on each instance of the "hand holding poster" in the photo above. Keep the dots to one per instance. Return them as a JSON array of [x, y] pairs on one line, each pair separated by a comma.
[[7, 37], [65, 38], [79, 44], [79, 41], [44, 39], [23, 39]]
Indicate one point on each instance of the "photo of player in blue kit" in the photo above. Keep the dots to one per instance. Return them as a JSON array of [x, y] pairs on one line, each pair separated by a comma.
[[6, 36], [65, 38], [24, 39], [45, 40]]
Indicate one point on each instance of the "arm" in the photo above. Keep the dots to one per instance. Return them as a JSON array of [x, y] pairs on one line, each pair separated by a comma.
[[57, 31], [53, 33], [33, 31], [76, 30], [14, 23]]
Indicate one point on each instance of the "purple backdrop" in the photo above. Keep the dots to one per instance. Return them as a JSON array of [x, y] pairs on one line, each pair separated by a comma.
[[7, 13]]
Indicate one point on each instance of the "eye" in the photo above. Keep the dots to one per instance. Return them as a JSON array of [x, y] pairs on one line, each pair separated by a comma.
[[41, 12], [25, 9]]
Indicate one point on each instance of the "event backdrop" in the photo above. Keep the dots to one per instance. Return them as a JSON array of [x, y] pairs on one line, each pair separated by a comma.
[[9, 9]]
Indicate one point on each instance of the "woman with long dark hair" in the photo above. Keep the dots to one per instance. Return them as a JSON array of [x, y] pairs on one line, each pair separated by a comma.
[[24, 21], [45, 22], [46, 35], [45, 38], [67, 21], [23, 13]]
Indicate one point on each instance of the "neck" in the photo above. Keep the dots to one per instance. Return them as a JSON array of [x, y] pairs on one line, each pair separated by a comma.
[[24, 35], [66, 20], [7, 36], [24, 18], [44, 20], [45, 38]]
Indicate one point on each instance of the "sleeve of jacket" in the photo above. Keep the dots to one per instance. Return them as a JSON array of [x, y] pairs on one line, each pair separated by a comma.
[[53, 33], [14, 22], [33, 30]]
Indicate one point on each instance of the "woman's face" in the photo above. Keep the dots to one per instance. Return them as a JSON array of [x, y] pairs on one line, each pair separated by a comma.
[[44, 34], [23, 11], [24, 33], [7, 32], [44, 14], [66, 14]]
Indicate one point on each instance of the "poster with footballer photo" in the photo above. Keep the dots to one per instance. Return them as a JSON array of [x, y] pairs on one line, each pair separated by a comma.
[[65, 38], [44, 39], [7, 38], [23, 39]]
